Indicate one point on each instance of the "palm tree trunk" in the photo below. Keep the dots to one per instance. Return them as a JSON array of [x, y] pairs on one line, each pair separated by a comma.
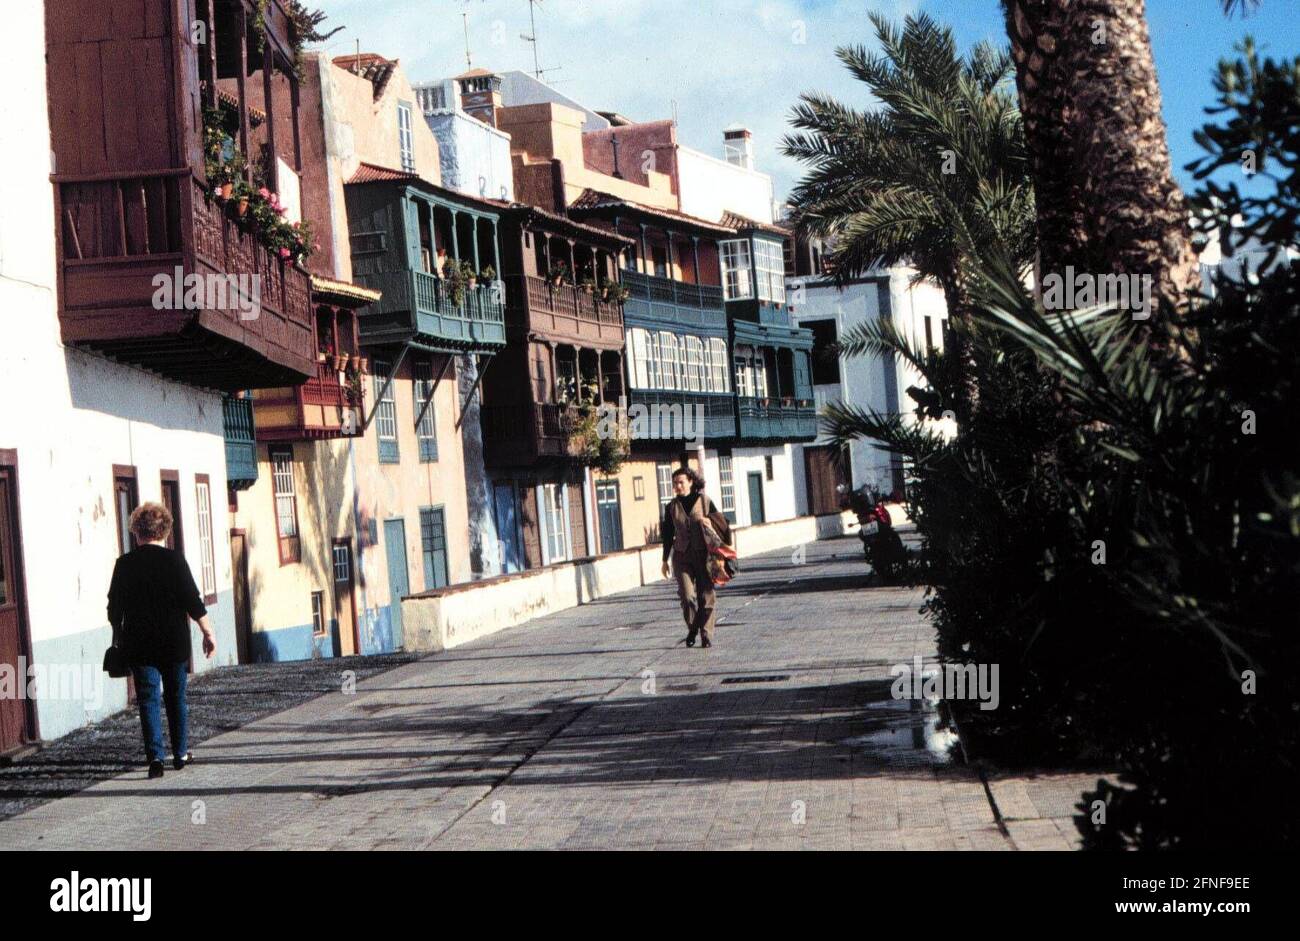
[[1107, 202]]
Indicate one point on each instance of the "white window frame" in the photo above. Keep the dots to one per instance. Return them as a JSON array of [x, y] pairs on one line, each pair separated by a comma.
[[286, 494], [341, 563], [557, 542], [736, 272], [406, 136], [671, 374], [769, 262], [386, 407], [639, 353], [207, 564], [426, 429], [721, 361], [726, 484], [664, 481], [694, 364]]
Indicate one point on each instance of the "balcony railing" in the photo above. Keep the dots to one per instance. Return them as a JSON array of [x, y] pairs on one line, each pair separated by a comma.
[[241, 442], [667, 291], [772, 419], [673, 415], [568, 300], [120, 231], [515, 435], [479, 317]]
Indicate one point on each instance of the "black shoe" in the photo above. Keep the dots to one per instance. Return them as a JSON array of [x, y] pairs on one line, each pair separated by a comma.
[[706, 643], [155, 769], [690, 640], [183, 760]]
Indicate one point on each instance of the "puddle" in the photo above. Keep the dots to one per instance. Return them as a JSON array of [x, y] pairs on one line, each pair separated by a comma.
[[908, 733]]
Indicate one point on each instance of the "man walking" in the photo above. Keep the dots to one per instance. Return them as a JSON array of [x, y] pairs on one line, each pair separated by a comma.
[[683, 530]]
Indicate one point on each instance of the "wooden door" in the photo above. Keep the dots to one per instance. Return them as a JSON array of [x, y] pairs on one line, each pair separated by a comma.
[[399, 578], [16, 726], [344, 603], [610, 511], [171, 498], [508, 528], [243, 603], [825, 475]]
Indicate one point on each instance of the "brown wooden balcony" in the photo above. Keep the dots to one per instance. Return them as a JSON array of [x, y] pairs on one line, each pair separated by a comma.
[[328, 405], [519, 436], [121, 232], [566, 312]]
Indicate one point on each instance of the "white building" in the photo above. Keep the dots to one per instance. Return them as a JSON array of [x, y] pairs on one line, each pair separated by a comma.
[[82, 440]]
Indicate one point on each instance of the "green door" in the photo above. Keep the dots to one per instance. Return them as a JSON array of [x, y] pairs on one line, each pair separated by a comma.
[[756, 499]]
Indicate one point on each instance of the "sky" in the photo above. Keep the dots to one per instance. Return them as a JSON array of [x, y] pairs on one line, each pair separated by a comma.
[[712, 63]]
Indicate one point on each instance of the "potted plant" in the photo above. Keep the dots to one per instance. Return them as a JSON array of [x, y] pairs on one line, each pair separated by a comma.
[[558, 273], [488, 274], [343, 358], [469, 275], [455, 284], [588, 286]]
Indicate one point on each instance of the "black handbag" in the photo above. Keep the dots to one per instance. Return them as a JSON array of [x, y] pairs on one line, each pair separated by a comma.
[[115, 664]]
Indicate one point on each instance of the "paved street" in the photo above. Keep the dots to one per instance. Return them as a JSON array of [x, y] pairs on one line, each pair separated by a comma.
[[591, 729]]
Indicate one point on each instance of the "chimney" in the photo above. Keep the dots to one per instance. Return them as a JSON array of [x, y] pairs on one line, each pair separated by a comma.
[[480, 95], [738, 146]]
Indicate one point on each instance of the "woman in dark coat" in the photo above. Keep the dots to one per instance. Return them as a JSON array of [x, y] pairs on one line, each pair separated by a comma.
[[150, 601], [684, 542]]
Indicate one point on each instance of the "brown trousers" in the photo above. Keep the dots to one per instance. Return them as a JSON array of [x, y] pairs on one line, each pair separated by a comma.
[[695, 589]]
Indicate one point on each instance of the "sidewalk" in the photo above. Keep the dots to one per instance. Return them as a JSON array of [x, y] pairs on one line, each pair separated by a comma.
[[590, 729]]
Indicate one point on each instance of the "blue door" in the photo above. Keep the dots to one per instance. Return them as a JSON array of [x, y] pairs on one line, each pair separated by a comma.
[[508, 528], [756, 499], [399, 582], [611, 516]]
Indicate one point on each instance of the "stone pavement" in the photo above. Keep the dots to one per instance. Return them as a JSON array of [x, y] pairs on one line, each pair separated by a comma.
[[592, 729]]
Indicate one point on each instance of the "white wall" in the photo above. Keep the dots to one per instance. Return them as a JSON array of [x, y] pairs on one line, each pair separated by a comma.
[[864, 380], [711, 186], [779, 493], [475, 157], [72, 415]]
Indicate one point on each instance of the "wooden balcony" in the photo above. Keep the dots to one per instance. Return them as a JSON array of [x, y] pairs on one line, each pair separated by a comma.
[[241, 443], [671, 414], [120, 232], [417, 306], [323, 407], [566, 312], [776, 420], [516, 437], [665, 300]]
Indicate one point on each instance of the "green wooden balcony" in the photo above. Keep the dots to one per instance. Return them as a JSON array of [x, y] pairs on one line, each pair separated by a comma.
[[773, 420], [417, 306], [241, 442]]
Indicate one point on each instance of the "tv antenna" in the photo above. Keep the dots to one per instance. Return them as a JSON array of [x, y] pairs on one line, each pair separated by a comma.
[[469, 63], [538, 71]]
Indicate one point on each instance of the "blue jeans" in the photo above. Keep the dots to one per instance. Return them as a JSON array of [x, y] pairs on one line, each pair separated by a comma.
[[171, 680]]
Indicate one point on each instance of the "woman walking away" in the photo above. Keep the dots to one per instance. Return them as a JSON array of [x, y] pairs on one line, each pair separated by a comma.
[[151, 596], [683, 529]]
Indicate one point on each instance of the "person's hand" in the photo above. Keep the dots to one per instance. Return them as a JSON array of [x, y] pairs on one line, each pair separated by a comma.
[[209, 645], [664, 569]]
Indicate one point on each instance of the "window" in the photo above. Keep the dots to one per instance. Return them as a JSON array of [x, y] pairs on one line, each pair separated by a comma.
[[639, 357], [385, 414], [669, 371], [825, 361], [433, 543], [727, 487], [736, 270], [125, 500], [638, 488], [318, 613], [406, 136], [342, 559], [694, 364], [425, 425], [767, 467], [207, 557], [770, 266], [555, 529], [720, 370], [664, 475], [286, 504]]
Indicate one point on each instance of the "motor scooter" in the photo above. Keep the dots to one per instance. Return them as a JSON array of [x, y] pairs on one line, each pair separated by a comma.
[[881, 544]]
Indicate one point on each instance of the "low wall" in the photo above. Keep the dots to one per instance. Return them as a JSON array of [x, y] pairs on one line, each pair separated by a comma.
[[449, 617]]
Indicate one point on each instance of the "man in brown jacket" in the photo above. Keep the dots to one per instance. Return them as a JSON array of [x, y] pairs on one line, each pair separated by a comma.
[[684, 540]]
